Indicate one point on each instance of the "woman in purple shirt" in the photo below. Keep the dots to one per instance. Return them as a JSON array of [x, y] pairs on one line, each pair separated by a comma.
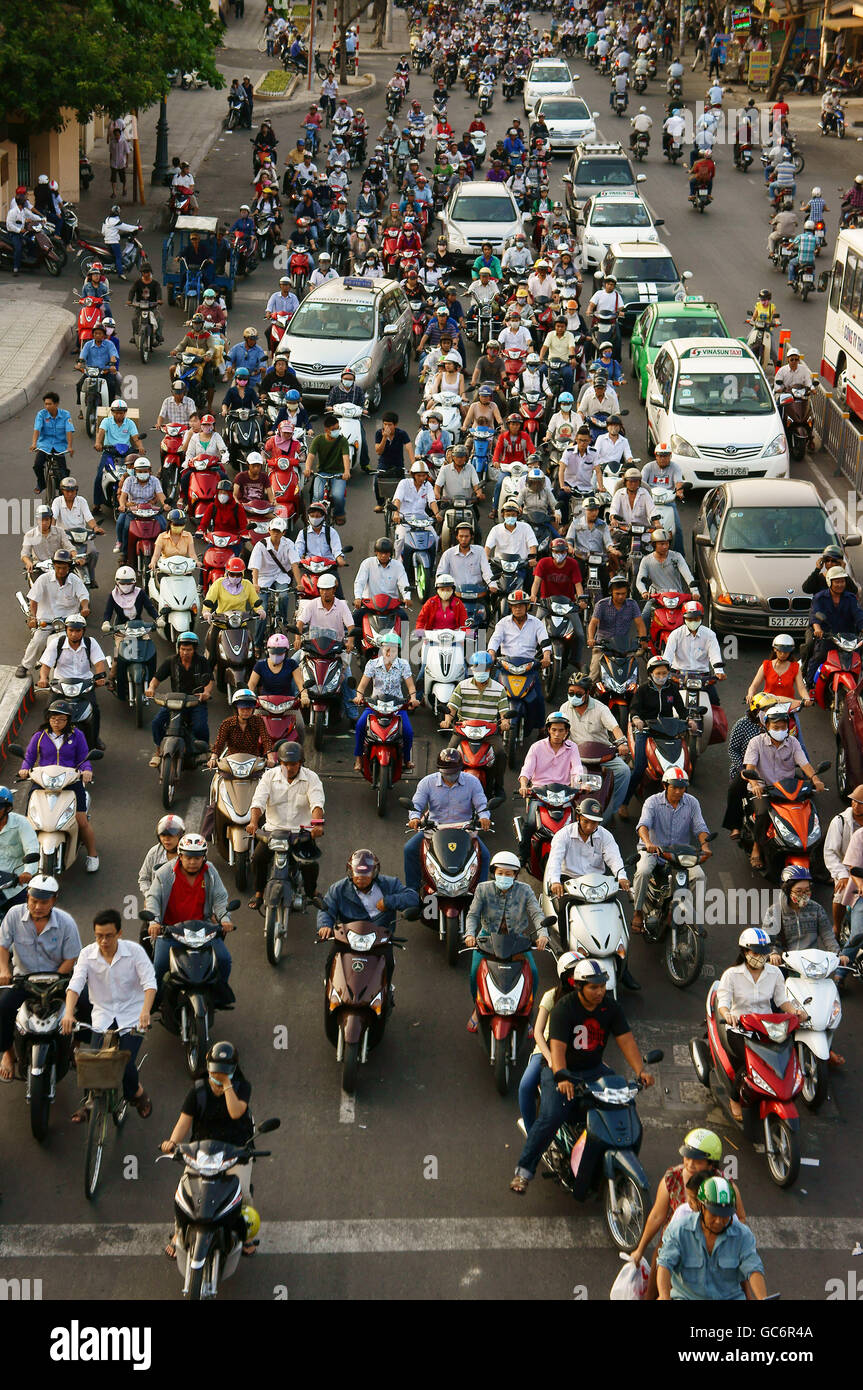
[[57, 743]]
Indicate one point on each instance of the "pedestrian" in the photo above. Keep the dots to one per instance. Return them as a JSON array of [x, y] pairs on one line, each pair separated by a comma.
[[239, 8], [248, 94], [119, 151]]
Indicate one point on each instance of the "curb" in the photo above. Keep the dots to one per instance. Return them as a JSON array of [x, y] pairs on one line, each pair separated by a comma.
[[15, 700], [16, 400]]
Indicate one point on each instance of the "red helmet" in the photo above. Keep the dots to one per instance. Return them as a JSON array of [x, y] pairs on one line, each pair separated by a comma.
[[693, 609], [97, 265], [235, 566]]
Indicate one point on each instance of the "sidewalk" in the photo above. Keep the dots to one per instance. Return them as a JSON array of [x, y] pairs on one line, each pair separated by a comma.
[[34, 336]]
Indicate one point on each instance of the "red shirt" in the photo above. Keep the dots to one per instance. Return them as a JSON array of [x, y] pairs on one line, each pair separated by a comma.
[[509, 449], [186, 902], [434, 615], [558, 581], [228, 521]]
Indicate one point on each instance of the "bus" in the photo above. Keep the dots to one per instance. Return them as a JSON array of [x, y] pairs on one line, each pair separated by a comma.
[[842, 349]]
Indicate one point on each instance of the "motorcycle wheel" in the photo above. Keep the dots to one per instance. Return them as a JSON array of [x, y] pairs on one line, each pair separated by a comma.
[[349, 1068], [48, 864], [511, 748], [501, 1069], [196, 1285], [842, 784], [274, 932], [167, 783], [626, 1222], [385, 774], [453, 939], [783, 1150], [816, 1078], [90, 416], [196, 1046], [241, 870], [145, 344], [549, 677], [798, 445], [40, 1104], [684, 965], [837, 709], [53, 265], [318, 729], [139, 705], [798, 161]]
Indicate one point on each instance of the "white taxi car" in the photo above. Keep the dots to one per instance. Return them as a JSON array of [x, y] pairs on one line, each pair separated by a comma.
[[614, 215], [547, 77], [710, 401]]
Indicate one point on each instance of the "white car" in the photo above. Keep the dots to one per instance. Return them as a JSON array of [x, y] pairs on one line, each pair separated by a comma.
[[478, 212], [614, 215], [709, 400], [547, 77], [569, 121]]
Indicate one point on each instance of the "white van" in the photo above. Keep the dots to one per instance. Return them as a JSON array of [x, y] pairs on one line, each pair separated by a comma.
[[709, 400]]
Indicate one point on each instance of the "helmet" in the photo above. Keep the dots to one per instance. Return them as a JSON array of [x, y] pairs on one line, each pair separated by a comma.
[[450, 760], [222, 1057], [832, 552], [253, 457], [518, 596], [809, 225], [125, 575], [702, 1143], [390, 638], [675, 776], [142, 465], [290, 752], [444, 581], [784, 641], [565, 398], [816, 192], [235, 565], [566, 961], [176, 517], [384, 545], [618, 581], [171, 825], [780, 710], [187, 639], [482, 661], [44, 511], [795, 873], [244, 696], [589, 972], [69, 484], [693, 609], [43, 886], [278, 642], [252, 1220], [505, 859], [192, 844], [590, 809], [535, 475], [6, 796], [757, 940], [762, 701], [556, 717], [717, 1196], [656, 661]]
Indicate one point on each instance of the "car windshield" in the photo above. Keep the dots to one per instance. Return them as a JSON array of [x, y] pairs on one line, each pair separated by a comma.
[[723, 393], [324, 318], [652, 268], [472, 208], [667, 328], [549, 72], [777, 528], [604, 173], [614, 214], [564, 109]]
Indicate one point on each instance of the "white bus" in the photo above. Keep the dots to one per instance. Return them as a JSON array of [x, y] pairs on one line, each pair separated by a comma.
[[842, 350]]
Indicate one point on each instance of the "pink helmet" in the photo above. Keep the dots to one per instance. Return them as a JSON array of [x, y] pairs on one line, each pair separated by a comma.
[[278, 642]]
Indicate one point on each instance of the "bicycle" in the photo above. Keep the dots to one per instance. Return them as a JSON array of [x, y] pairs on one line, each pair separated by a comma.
[[100, 1075]]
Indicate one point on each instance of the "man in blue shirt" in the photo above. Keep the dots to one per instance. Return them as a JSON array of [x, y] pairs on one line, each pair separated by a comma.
[[366, 895], [116, 432], [513, 146], [708, 1255], [36, 937], [97, 352], [247, 354], [670, 817], [52, 434], [834, 609], [449, 795]]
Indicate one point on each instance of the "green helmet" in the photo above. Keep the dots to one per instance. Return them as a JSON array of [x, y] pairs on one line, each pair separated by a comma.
[[702, 1143], [717, 1196]]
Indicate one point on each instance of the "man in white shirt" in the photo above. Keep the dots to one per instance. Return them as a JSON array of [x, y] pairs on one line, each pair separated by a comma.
[[607, 301], [632, 502], [414, 497], [582, 847], [466, 562], [641, 124], [673, 129], [598, 398], [71, 512], [274, 562], [695, 647], [53, 595], [514, 337], [292, 797], [18, 220], [511, 536], [69, 655], [520, 636], [121, 982], [319, 538], [381, 574]]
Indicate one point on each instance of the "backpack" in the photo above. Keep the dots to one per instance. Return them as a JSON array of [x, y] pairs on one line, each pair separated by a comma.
[[86, 643]]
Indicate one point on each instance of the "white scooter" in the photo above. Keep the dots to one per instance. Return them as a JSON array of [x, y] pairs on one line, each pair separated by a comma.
[[811, 987], [450, 403], [478, 140], [174, 591], [444, 657], [51, 812], [664, 499], [513, 475], [231, 790], [595, 924], [351, 416]]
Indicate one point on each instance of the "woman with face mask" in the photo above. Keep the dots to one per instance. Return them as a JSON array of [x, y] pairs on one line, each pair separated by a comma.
[[125, 601], [385, 674], [750, 985], [655, 698], [176, 540], [503, 904]]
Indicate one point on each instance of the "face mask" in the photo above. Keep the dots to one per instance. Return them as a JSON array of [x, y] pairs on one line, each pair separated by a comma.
[[778, 735], [754, 962], [576, 699], [801, 899], [176, 530], [481, 676], [334, 434], [125, 588], [444, 595], [233, 583], [509, 522], [450, 778], [317, 522], [503, 882], [659, 681], [693, 624], [558, 556], [276, 657]]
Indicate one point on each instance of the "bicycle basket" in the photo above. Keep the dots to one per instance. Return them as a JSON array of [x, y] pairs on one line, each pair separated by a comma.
[[101, 1070]]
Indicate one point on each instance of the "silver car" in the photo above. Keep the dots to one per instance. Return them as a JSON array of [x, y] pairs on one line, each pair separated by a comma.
[[351, 322]]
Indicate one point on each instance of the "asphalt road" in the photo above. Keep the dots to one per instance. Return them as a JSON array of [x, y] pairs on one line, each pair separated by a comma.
[[404, 1193]]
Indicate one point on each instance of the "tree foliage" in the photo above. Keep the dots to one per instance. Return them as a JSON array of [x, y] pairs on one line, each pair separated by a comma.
[[98, 56]]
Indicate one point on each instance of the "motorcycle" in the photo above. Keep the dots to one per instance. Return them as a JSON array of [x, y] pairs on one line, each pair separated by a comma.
[[114, 475], [234, 656], [475, 599], [810, 984], [478, 140], [90, 314], [419, 546], [357, 994], [146, 332], [519, 680], [701, 199], [383, 755], [832, 122], [667, 618], [94, 397], [482, 438], [743, 158], [793, 828], [41, 250], [669, 913], [450, 869], [220, 546], [839, 674], [279, 713], [179, 749], [673, 149], [700, 712], [325, 674], [285, 890], [591, 921], [339, 249], [602, 1154], [665, 747], [794, 409], [300, 268], [641, 145], [619, 103], [242, 434], [51, 811], [559, 616], [443, 656], [351, 416], [485, 97], [768, 1081], [554, 809], [510, 572], [618, 681], [175, 595], [192, 990], [141, 538], [234, 784], [137, 651], [503, 1001]]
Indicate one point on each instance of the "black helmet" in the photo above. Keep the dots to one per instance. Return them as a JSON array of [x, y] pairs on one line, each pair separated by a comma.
[[222, 1059], [590, 809], [290, 752], [832, 552], [59, 707], [579, 678], [385, 545], [450, 759]]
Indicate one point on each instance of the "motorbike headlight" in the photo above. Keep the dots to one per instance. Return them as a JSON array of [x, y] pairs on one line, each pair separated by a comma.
[[34, 817], [504, 1003], [361, 943], [65, 818], [680, 445], [49, 1024], [362, 365], [776, 446], [786, 834]]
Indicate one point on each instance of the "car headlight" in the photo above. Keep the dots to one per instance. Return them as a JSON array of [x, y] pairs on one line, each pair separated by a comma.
[[747, 599], [776, 446], [681, 446], [362, 365]]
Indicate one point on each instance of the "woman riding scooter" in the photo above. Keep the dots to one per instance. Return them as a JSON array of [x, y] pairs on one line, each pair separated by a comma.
[[751, 985], [57, 743]]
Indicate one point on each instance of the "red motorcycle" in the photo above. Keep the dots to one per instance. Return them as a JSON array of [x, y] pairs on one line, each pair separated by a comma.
[[203, 479], [258, 516], [172, 460], [220, 547], [532, 411], [765, 1085], [285, 482], [513, 365], [389, 254], [382, 755], [324, 675], [279, 713], [665, 747], [839, 674], [598, 779], [381, 614], [552, 810], [475, 747], [277, 329], [143, 529], [311, 569], [90, 315], [667, 618], [793, 828], [503, 1000]]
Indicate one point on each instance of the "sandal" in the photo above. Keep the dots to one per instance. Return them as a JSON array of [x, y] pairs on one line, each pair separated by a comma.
[[358, 764], [836, 1059], [637, 926], [250, 1248], [143, 1105], [735, 834], [472, 1025], [255, 902], [755, 861], [80, 1116], [518, 1185], [171, 1249]]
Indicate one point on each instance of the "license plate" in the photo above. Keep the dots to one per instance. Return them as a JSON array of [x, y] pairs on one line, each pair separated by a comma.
[[725, 470], [788, 622]]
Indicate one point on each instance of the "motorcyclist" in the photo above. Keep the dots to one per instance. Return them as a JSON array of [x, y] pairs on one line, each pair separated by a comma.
[[765, 316], [448, 796], [190, 674], [669, 817], [187, 889], [694, 647], [833, 609], [292, 798], [796, 922], [702, 171], [662, 571], [225, 515], [126, 601], [803, 249], [773, 755], [517, 258], [503, 904], [692, 1244], [366, 895], [641, 125], [751, 985]]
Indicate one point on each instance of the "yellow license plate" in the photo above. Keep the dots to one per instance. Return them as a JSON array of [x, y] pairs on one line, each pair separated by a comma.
[[516, 684]]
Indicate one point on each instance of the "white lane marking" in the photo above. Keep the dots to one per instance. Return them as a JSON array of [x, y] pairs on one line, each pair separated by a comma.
[[347, 1109], [405, 1237]]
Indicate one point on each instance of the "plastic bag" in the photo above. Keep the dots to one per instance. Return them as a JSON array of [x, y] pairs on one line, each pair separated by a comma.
[[631, 1283]]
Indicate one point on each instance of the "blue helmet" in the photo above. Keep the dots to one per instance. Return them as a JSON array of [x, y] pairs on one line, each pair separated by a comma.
[[242, 374], [6, 797], [187, 637], [293, 396], [565, 398], [756, 940], [483, 661]]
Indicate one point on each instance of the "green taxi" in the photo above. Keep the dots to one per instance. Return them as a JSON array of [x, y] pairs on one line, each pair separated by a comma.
[[695, 317]]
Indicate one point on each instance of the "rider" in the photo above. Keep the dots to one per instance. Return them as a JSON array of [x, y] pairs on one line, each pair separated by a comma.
[[655, 698], [662, 571], [803, 249], [366, 895], [385, 674], [449, 796], [750, 985], [662, 471], [503, 904], [481, 698], [641, 125], [833, 609], [230, 593], [773, 756], [703, 172], [707, 1254], [611, 622], [187, 889], [552, 759], [669, 817], [694, 647], [292, 798], [764, 318]]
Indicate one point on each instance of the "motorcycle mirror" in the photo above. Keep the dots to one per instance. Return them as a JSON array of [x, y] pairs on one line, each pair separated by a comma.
[[268, 1126], [146, 915], [495, 801], [31, 858], [549, 921], [233, 905], [822, 767], [411, 915], [655, 1056], [16, 749], [406, 802], [749, 776], [94, 755], [347, 549]]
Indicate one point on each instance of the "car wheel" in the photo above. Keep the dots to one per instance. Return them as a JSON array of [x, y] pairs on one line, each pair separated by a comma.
[[375, 396]]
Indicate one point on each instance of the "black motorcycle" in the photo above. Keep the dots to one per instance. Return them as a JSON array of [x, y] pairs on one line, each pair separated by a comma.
[[285, 890], [559, 616], [179, 748], [192, 988], [242, 435], [41, 251], [136, 663], [43, 1053]]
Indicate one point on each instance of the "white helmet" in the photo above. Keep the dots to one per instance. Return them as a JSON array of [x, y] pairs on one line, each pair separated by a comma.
[[642, 108], [444, 581], [566, 962], [125, 575], [192, 844], [816, 192], [254, 457], [809, 225], [505, 859], [755, 939], [590, 972]]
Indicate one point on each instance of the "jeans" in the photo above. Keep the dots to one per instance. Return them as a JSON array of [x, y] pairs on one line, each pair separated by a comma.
[[117, 253], [792, 267], [131, 1043], [554, 1110], [620, 789], [124, 521], [639, 766], [162, 954], [407, 735], [276, 599], [527, 1088], [17, 240], [337, 491], [197, 718], [412, 861]]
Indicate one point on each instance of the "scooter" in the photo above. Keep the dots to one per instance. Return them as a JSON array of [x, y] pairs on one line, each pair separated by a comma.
[[793, 827], [482, 437], [839, 674], [602, 1154], [804, 280], [279, 713], [381, 614], [234, 649], [41, 251], [554, 809], [212, 1221], [591, 921], [419, 547], [114, 474], [701, 199], [559, 616], [325, 673], [520, 681], [220, 546], [141, 538], [357, 994], [665, 747], [174, 592], [669, 913], [449, 874], [383, 752], [231, 790], [178, 748], [94, 396], [618, 681], [743, 158], [475, 599], [812, 988], [700, 713], [350, 416], [51, 812], [449, 403], [765, 1085], [794, 409], [137, 651], [503, 1001], [192, 990], [285, 890], [667, 618], [43, 1054], [311, 569], [443, 656], [242, 434], [78, 694]]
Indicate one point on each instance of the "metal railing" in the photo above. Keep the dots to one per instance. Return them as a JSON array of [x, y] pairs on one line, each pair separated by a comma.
[[841, 439]]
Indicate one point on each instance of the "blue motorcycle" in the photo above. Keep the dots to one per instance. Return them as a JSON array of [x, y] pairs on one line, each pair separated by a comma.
[[523, 684], [483, 440]]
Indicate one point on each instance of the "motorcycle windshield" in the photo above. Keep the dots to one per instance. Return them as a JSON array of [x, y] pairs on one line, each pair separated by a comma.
[[193, 967], [451, 849]]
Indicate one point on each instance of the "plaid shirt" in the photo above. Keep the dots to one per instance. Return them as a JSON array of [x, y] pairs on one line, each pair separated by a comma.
[[804, 247], [178, 412]]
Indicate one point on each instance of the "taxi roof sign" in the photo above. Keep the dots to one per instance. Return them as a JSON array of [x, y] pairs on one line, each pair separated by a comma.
[[355, 282], [719, 351], [618, 193], [694, 299]]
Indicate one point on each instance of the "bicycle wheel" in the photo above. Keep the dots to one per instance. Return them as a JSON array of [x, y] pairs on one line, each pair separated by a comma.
[[119, 1108], [96, 1134]]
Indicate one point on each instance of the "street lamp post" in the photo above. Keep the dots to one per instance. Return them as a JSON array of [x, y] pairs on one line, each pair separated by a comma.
[[161, 168]]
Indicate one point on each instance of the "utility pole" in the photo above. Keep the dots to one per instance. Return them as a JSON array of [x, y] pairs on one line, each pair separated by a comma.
[[161, 168]]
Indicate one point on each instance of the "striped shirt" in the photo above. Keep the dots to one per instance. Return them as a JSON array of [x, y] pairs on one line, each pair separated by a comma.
[[786, 174], [178, 412], [471, 701], [804, 247]]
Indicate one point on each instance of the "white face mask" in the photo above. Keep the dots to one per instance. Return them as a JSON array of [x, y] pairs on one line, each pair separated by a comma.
[[577, 699], [778, 735], [334, 434], [659, 681], [504, 882], [444, 595], [693, 624], [509, 522], [317, 522], [481, 676]]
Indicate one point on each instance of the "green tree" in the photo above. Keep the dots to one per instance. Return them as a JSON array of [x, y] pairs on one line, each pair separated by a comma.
[[103, 56]]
